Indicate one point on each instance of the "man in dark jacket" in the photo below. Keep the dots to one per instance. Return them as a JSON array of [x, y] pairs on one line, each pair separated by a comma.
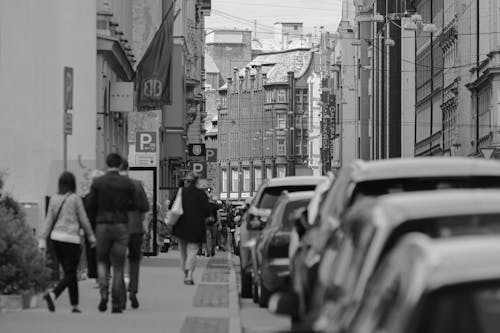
[[111, 197], [136, 233], [190, 228]]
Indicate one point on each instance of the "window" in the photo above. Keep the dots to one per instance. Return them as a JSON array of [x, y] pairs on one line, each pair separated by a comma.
[[269, 172], [281, 120], [280, 147], [281, 95], [257, 178], [281, 171], [246, 180], [235, 181], [224, 180]]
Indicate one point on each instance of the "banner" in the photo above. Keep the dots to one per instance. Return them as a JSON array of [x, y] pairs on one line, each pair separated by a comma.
[[152, 80]]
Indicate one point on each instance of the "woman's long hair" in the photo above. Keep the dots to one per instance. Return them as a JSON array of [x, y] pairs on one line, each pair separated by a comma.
[[67, 183]]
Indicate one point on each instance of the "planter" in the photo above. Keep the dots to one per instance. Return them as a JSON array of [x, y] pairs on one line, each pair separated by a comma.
[[19, 301]]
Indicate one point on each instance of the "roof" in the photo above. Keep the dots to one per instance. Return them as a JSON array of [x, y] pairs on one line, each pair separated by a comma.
[[394, 209], [295, 180], [277, 64], [454, 260], [300, 195], [422, 167], [210, 66]]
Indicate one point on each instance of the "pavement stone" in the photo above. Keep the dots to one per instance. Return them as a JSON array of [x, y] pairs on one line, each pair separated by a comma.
[[166, 304]]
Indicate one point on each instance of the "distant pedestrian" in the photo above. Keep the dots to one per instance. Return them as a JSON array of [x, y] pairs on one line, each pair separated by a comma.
[[190, 228], [90, 252], [111, 197], [212, 226], [65, 217], [136, 230]]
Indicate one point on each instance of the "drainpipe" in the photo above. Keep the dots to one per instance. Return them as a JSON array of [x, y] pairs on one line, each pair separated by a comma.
[[477, 76]]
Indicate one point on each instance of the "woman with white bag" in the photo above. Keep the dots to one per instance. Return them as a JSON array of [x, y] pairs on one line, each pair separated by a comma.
[[187, 219]]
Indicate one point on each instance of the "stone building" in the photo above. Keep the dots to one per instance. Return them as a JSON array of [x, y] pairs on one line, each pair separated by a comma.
[[263, 122]]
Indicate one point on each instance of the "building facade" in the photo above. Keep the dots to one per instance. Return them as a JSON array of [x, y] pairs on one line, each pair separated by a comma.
[[263, 122]]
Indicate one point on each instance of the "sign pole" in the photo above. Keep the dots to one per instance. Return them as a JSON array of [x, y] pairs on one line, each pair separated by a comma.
[[65, 143]]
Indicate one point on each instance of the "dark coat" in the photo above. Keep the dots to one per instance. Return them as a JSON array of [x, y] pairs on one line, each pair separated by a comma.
[[191, 225], [111, 197]]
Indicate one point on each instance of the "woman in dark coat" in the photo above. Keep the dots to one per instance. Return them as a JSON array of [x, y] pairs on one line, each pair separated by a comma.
[[190, 228]]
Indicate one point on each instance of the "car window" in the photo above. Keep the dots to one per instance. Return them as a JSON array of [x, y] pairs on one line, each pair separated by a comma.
[[376, 188], [473, 307], [444, 227], [291, 206], [271, 194]]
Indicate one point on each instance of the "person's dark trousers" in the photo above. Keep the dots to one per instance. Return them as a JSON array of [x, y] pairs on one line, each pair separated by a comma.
[[134, 260], [211, 239], [68, 254], [223, 237], [112, 243]]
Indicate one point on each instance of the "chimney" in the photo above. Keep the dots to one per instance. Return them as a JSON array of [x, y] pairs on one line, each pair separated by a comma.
[[252, 82], [235, 74], [258, 76], [242, 82], [229, 85], [247, 78]]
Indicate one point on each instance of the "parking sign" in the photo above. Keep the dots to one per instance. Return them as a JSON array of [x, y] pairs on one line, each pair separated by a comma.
[[145, 142], [200, 168]]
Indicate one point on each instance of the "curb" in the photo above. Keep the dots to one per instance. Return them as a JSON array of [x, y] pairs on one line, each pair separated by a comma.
[[234, 302]]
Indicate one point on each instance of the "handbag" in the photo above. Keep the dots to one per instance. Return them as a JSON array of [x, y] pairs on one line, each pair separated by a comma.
[[176, 212]]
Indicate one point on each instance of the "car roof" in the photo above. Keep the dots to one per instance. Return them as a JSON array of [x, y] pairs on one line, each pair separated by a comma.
[[300, 195], [422, 167], [396, 208], [295, 180], [456, 260]]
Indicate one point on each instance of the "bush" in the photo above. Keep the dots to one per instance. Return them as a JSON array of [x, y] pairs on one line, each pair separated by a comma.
[[22, 265]]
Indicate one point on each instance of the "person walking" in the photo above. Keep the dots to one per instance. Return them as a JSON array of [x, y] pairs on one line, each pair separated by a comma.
[[65, 217], [136, 231], [212, 227], [111, 197], [190, 227]]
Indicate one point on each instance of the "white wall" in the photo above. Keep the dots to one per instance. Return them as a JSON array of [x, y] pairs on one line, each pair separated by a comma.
[[407, 93], [37, 39]]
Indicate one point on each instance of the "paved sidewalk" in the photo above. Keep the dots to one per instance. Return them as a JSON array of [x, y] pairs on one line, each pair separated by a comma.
[[166, 304]]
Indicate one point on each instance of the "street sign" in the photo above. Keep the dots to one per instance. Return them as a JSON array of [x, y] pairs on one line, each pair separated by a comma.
[[68, 123], [121, 97], [211, 154], [145, 142], [197, 150], [200, 167], [487, 152], [68, 88]]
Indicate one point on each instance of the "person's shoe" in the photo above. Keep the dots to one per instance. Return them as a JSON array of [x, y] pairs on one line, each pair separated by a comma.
[[189, 282], [76, 310], [133, 301], [49, 299], [103, 304], [116, 310]]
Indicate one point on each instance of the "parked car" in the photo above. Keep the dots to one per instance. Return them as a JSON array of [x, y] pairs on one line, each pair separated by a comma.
[[430, 286], [373, 228], [362, 179], [258, 212], [270, 261]]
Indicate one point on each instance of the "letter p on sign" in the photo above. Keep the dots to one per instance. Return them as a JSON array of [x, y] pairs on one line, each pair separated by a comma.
[[145, 142]]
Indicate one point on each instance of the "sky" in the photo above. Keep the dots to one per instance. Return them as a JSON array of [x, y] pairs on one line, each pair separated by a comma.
[[242, 13]]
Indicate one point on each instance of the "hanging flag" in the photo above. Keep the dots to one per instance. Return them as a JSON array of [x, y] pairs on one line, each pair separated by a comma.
[[152, 80]]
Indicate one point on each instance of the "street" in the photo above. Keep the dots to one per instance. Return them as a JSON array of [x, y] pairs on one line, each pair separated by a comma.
[[166, 304]]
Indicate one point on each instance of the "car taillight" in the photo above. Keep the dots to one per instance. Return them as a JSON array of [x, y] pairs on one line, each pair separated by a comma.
[[278, 245]]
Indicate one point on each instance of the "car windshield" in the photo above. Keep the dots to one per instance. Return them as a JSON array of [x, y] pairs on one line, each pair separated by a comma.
[[271, 194], [286, 222], [472, 307], [376, 188]]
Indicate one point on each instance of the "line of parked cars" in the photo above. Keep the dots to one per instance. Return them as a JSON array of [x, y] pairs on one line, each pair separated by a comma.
[[397, 245]]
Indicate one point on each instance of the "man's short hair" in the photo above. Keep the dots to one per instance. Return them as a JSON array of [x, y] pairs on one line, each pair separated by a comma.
[[114, 160], [124, 166]]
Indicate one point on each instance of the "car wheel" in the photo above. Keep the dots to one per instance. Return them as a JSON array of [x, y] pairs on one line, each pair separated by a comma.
[[264, 295], [246, 285], [255, 292]]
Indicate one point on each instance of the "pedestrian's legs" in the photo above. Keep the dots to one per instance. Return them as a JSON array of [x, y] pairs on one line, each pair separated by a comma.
[[134, 258], [223, 237], [68, 255], [117, 256], [103, 248], [192, 249], [183, 252]]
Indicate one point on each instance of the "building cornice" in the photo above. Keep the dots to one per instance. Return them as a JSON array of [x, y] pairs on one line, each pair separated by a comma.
[[111, 48]]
